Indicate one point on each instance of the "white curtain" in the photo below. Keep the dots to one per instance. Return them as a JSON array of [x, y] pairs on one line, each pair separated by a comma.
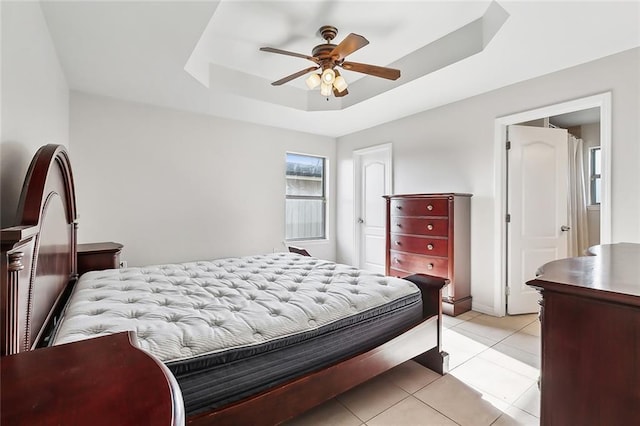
[[579, 233]]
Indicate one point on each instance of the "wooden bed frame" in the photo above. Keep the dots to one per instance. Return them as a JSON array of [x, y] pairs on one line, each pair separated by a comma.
[[39, 270]]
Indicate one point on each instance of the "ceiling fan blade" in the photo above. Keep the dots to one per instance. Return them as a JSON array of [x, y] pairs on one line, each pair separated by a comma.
[[350, 44], [337, 94], [388, 73], [286, 52], [293, 76]]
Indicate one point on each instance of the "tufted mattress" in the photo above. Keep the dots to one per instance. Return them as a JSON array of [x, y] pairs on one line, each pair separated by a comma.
[[230, 328]]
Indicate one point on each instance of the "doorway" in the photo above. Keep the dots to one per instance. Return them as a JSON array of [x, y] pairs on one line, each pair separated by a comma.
[[372, 168], [507, 281]]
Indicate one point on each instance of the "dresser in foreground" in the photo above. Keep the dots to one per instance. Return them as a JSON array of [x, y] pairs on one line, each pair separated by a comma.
[[100, 381], [590, 336], [430, 234]]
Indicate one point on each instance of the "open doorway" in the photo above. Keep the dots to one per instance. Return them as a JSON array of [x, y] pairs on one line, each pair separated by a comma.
[[588, 118]]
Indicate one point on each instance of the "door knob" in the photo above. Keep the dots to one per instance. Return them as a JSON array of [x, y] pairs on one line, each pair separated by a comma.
[[565, 228]]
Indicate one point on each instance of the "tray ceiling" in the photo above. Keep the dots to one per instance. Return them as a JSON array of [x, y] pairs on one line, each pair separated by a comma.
[[203, 56]]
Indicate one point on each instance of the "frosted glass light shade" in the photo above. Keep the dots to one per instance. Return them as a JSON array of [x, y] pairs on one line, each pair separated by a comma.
[[340, 84], [313, 81], [325, 89], [328, 76]]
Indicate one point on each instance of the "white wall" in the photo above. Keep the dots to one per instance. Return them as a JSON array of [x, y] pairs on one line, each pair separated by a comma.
[[176, 186], [451, 149], [35, 98]]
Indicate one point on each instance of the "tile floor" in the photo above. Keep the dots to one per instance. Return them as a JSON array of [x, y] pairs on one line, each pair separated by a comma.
[[493, 366]]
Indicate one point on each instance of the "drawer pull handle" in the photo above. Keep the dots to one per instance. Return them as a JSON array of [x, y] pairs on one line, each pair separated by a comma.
[[397, 243], [429, 246], [398, 206], [430, 266], [396, 260], [399, 225], [429, 207], [430, 227]]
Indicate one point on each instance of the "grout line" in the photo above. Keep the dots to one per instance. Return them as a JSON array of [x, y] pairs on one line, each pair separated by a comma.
[[349, 410], [389, 408], [434, 408]]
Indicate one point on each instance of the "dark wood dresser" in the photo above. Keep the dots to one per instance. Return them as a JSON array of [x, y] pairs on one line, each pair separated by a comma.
[[102, 381], [430, 234], [590, 335]]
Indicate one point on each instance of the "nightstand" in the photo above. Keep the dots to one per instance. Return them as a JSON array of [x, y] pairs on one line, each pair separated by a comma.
[[98, 256]]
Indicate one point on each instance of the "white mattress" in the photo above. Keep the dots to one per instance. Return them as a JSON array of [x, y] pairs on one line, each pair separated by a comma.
[[180, 311]]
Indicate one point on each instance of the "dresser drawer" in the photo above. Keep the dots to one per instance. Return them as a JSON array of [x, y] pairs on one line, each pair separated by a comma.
[[420, 245], [420, 226], [419, 264], [399, 274], [420, 207]]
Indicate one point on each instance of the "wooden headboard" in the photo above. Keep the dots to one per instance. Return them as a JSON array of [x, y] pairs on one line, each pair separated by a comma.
[[39, 254]]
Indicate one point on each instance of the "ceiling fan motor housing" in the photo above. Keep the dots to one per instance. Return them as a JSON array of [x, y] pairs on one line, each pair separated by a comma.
[[328, 32], [323, 51]]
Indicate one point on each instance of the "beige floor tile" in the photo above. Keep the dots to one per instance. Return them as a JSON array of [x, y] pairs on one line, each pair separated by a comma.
[[479, 338], [533, 329], [448, 322], [523, 341], [331, 413], [466, 316], [410, 412], [459, 401], [510, 362], [462, 345], [515, 417], [513, 322], [493, 379], [372, 398], [411, 376], [528, 358], [530, 401], [489, 330]]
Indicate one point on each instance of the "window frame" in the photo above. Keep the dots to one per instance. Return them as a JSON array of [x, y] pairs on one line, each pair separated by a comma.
[[322, 197], [593, 176]]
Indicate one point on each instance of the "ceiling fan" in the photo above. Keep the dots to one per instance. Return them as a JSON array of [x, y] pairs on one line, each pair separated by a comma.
[[327, 57]]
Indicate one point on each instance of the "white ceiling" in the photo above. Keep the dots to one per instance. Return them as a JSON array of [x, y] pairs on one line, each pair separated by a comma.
[[203, 56]]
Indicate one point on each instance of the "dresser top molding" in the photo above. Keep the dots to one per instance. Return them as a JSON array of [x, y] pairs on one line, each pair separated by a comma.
[[611, 273], [430, 195]]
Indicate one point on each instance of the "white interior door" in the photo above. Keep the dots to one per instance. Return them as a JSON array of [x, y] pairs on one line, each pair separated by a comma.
[[537, 206], [373, 174]]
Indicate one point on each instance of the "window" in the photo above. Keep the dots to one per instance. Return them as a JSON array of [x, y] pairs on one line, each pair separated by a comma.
[[305, 197], [594, 175]]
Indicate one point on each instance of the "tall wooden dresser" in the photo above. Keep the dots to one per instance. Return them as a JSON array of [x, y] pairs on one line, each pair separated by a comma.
[[430, 234]]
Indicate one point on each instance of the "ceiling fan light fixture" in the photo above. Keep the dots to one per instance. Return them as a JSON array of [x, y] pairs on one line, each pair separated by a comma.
[[327, 57], [313, 81], [340, 84], [325, 89], [328, 76]]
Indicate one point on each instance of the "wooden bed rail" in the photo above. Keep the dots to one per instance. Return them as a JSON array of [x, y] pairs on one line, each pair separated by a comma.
[[290, 399]]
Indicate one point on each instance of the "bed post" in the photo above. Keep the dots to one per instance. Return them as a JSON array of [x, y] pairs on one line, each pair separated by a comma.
[[17, 250], [431, 287], [11, 266]]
